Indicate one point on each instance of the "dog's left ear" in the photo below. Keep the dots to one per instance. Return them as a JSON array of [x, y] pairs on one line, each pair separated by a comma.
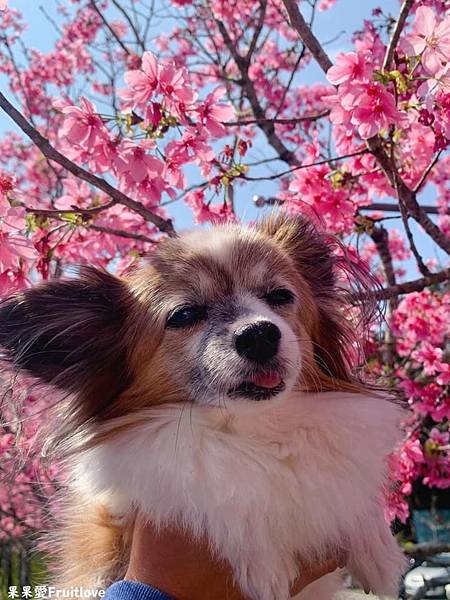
[[72, 334], [312, 253]]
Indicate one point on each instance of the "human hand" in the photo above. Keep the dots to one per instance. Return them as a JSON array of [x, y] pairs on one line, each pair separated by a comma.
[[311, 573], [171, 561]]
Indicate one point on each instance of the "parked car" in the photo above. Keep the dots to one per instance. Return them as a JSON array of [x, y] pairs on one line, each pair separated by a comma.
[[427, 578]]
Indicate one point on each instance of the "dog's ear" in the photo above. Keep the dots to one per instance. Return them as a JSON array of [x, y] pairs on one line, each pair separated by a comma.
[[313, 256], [72, 334], [308, 248]]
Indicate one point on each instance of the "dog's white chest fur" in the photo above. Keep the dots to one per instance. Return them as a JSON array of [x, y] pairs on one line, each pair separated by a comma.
[[268, 482]]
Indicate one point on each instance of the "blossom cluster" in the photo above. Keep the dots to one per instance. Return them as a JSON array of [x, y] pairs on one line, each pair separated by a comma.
[[371, 100], [422, 371], [158, 98], [23, 493]]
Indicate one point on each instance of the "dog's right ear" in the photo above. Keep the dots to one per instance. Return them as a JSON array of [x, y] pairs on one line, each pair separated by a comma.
[[73, 334]]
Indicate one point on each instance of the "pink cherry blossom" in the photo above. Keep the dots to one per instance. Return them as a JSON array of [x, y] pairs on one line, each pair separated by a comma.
[[437, 82], [373, 109], [13, 248], [7, 184], [173, 172], [12, 281], [76, 195], [213, 113], [326, 4], [205, 212], [134, 163], [143, 82], [82, 126], [431, 39], [152, 79], [443, 377], [429, 357], [150, 189], [174, 85], [350, 66]]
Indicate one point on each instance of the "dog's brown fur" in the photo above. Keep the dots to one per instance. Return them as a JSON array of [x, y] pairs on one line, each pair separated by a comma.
[[105, 347]]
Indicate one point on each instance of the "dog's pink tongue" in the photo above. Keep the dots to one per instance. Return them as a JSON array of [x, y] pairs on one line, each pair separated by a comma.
[[268, 380]]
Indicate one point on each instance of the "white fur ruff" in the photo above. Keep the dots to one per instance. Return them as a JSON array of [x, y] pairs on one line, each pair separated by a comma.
[[267, 481]]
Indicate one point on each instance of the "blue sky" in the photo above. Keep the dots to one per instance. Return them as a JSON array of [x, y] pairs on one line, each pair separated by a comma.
[[336, 24]]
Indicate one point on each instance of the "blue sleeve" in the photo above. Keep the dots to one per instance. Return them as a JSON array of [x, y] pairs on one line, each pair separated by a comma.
[[133, 590]]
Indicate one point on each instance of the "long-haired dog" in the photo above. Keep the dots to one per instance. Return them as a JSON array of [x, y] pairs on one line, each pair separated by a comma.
[[212, 389]]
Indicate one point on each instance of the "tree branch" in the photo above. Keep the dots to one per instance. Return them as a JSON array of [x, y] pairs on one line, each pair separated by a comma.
[[258, 29], [404, 11], [380, 238], [417, 285], [376, 206], [426, 549], [52, 154], [291, 79], [427, 171], [109, 28], [412, 244], [126, 16], [306, 35], [292, 121], [247, 85], [120, 233], [387, 207], [57, 213], [304, 166]]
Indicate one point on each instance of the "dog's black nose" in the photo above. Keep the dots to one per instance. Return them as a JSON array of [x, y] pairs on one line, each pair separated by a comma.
[[258, 342]]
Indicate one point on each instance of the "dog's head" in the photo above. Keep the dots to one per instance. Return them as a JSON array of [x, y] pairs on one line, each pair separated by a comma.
[[215, 316]]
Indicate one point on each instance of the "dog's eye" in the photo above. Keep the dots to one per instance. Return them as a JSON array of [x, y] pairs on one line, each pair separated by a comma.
[[186, 316], [279, 297]]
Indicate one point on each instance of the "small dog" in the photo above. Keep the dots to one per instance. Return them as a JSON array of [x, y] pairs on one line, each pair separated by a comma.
[[212, 389]]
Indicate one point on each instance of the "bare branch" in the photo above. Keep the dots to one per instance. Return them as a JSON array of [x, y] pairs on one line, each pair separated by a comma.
[[387, 207], [427, 171], [410, 286], [305, 166], [52, 21], [57, 213], [404, 11], [380, 238], [426, 549], [108, 27], [52, 154], [376, 206], [258, 29], [250, 92], [120, 233], [291, 121], [306, 35], [290, 81], [419, 260], [126, 16]]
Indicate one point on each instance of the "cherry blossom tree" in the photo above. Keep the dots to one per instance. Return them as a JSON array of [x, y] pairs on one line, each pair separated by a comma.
[[121, 123]]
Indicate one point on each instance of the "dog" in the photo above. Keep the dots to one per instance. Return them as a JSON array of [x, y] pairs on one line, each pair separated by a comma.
[[213, 389]]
